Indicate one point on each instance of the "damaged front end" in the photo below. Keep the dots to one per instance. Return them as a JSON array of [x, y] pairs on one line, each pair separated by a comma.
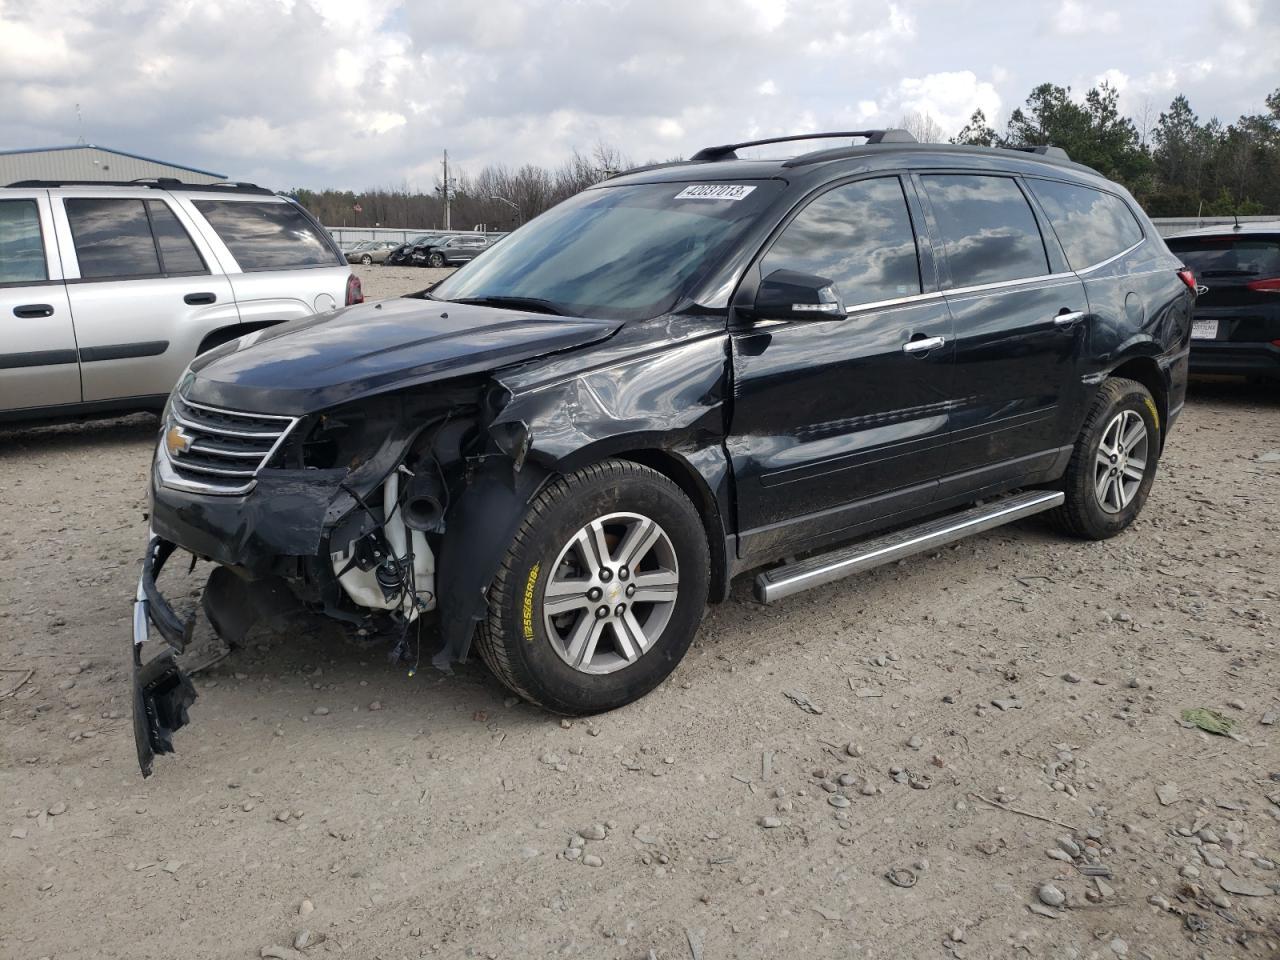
[[370, 513]]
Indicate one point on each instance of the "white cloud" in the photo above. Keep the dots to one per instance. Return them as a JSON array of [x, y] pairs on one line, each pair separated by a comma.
[[1074, 17], [357, 93]]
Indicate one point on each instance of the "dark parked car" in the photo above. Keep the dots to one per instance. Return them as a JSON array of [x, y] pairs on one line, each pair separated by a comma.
[[450, 251], [402, 256], [1237, 320], [566, 449]]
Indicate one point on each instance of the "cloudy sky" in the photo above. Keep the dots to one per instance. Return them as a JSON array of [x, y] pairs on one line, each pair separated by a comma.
[[361, 93]]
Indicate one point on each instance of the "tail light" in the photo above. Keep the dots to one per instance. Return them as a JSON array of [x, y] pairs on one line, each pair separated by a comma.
[[1271, 285], [1189, 278], [355, 293]]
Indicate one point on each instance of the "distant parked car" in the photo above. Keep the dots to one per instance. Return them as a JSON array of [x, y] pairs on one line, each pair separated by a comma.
[[402, 256], [447, 251], [1236, 328], [109, 290], [370, 251]]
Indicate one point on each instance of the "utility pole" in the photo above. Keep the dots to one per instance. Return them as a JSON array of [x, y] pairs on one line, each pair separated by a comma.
[[448, 225]]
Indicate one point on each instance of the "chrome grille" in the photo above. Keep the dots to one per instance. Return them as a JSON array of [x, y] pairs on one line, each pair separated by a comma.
[[211, 450]]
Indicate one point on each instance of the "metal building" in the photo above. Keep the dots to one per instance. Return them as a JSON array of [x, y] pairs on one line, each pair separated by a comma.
[[85, 161]]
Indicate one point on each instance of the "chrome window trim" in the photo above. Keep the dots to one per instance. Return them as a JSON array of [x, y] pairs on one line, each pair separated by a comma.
[[1112, 259], [1020, 282], [894, 302]]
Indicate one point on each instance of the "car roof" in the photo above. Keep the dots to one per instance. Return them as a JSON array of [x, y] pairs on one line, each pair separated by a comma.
[[867, 156], [1230, 230]]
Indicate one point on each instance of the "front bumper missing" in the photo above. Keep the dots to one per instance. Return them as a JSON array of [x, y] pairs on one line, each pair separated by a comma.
[[161, 691]]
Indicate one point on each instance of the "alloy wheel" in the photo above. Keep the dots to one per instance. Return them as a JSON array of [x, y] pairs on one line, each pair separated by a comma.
[[1121, 461], [611, 593]]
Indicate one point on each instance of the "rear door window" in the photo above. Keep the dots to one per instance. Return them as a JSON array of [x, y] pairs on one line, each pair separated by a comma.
[[266, 235], [859, 236], [21, 244], [987, 227], [112, 238], [1092, 226], [178, 255]]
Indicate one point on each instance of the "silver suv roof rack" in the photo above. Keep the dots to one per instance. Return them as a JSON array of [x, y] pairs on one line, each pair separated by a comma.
[[728, 151], [1044, 150], [155, 183]]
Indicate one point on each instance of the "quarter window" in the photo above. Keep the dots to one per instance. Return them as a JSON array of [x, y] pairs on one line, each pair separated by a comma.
[[21, 246], [1093, 226], [858, 236], [268, 235], [112, 238], [987, 227]]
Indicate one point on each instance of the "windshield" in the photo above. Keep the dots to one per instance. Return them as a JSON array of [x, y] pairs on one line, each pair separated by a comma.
[[625, 253]]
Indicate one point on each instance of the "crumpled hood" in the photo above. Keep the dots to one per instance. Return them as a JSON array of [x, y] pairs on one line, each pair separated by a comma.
[[315, 363]]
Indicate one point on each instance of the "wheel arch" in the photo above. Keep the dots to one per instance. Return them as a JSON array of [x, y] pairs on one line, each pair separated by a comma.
[[1147, 371]]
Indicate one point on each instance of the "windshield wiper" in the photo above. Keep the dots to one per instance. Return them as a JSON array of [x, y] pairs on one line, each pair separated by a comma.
[[1229, 273], [517, 303]]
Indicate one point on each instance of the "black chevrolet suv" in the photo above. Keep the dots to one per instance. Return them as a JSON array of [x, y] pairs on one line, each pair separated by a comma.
[[804, 367]]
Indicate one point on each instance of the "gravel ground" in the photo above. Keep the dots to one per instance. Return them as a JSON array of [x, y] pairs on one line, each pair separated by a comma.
[[975, 753]]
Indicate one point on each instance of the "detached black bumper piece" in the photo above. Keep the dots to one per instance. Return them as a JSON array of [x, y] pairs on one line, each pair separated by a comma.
[[161, 691]]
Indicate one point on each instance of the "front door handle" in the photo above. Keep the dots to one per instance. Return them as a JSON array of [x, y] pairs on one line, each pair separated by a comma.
[[194, 298], [924, 345], [33, 310], [1068, 317]]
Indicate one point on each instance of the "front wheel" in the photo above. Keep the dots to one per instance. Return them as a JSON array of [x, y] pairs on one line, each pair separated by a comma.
[[366, 260], [1114, 462], [435, 260], [600, 593]]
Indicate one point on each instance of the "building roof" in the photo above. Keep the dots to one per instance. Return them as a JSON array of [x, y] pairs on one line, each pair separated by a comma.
[[119, 153]]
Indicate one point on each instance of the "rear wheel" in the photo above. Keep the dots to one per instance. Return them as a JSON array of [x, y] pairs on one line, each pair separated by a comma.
[[1114, 462], [366, 260], [601, 592]]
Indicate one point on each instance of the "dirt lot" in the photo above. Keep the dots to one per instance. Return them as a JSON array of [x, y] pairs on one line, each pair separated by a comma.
[[323, 792]]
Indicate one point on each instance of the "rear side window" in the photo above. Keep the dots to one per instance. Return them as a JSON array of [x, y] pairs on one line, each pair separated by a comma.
[[178, 255], [859, 236], [987, 227], [1093, 226], [21, 246], [267, 236], [112, 238], [1249, 258]]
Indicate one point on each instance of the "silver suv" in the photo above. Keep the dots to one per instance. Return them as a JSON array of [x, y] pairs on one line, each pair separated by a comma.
[[107, 291]]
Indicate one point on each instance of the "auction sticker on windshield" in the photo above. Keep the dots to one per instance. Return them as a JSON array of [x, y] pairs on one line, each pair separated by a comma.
[[714, 191]]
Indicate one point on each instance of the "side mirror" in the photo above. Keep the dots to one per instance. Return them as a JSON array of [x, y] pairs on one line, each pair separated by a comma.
[[790, 295]]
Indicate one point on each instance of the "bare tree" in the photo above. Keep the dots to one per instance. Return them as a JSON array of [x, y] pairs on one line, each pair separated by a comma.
[[923, 127]]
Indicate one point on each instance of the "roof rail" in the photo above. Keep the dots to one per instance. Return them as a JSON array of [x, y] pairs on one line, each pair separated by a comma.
[[155, 183], [1044, 150], [728, 151]]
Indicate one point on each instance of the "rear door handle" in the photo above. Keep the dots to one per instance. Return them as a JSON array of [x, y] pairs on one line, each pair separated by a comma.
[[923, 345], [33, 310], [1068, 317], [195, 298]]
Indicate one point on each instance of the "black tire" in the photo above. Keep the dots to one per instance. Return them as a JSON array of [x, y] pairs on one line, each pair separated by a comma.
[[435, 260], [514, 641], [1083, 513], [366, 260]]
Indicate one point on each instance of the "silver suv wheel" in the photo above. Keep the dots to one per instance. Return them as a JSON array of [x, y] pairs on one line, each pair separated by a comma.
[[611, 593], [1121, 461]]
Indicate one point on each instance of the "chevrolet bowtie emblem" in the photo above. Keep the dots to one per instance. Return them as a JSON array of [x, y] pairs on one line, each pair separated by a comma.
[[176, 441]]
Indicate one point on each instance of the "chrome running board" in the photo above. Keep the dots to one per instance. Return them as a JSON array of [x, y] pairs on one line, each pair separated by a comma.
[[783, 581]]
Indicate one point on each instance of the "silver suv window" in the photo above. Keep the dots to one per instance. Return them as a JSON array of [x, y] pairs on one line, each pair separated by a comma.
[[21, 246], [268, 236], [117, 238]]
